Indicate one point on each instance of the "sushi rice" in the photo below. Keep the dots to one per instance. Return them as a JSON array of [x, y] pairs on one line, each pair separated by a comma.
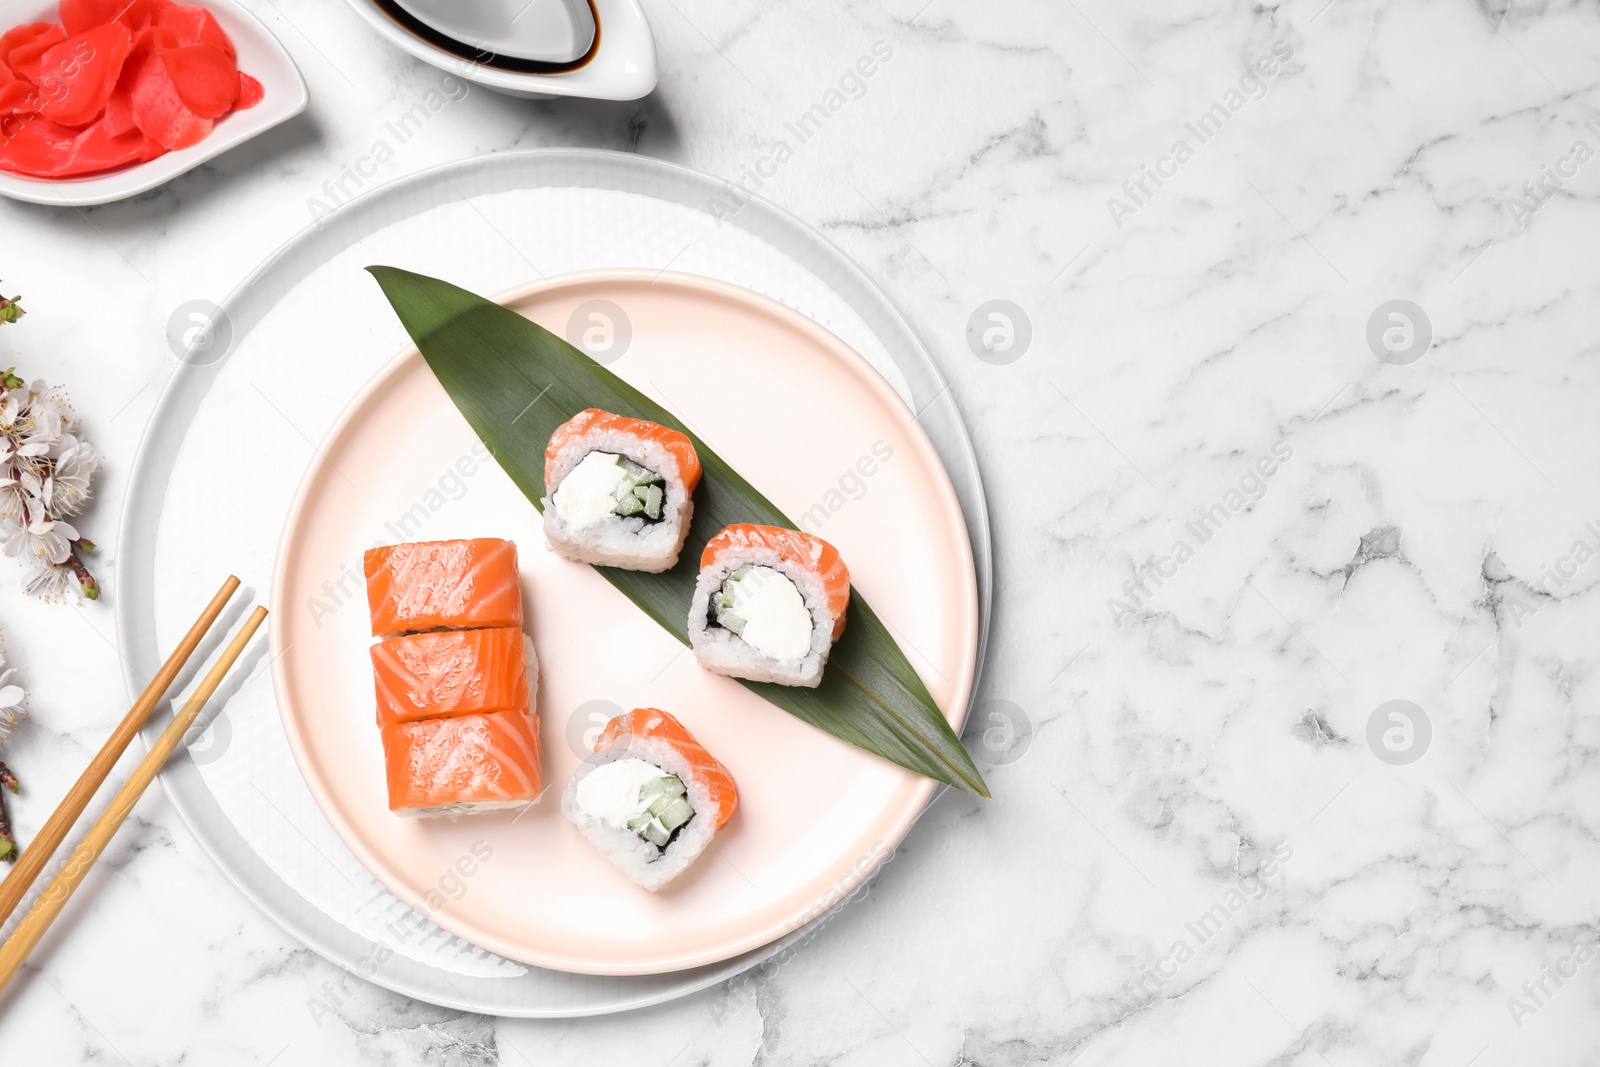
[[658, 741], [761, 560], [599, 448]]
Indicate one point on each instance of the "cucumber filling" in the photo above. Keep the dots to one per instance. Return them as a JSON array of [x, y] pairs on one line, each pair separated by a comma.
[[640, 492], [723, 611], [666, 811]]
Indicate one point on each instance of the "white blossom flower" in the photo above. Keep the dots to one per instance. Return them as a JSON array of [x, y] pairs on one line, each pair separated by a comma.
[[43, 431], [45, 475], [42, 538], [66, 490], [49, 582], [13, 495], [20, 541]]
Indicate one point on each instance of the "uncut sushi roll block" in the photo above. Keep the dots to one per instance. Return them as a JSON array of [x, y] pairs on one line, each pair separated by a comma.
[[619, 491], [650, 798], [455, 679], [768, 605]]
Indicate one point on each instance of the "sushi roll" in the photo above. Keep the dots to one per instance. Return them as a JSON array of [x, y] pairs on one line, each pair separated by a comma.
[[462, 765], [443, 585], [650, 798], [456, 679], [618, 491], [768, 605], [454, 672]]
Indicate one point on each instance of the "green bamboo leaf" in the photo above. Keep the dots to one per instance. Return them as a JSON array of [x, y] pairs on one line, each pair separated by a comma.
[[515, 382]]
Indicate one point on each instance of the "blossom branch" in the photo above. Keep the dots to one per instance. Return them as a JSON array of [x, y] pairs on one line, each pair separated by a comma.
[[45, 475], [11, 710], [80, 570], [8, 840]]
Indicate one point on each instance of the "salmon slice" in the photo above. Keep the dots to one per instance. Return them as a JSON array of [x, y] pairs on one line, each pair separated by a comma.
[[443, 585], [461, 764], [459, 672], [656, 725], [800, 549], [593, 420]]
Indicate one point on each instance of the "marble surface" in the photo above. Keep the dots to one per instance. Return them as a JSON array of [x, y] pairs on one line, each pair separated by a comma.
[[1228, 534]]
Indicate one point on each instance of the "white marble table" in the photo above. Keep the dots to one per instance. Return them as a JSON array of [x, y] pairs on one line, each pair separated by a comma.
[[1200, 857]]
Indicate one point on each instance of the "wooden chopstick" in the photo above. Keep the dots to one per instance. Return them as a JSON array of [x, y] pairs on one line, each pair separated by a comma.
[[45, 842], [50, 903]]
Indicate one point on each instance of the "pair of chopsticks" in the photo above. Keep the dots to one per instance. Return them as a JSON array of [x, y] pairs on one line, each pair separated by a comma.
[[39, 850]]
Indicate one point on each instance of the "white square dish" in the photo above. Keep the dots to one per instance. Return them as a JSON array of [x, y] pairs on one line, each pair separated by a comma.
[[260, 55]]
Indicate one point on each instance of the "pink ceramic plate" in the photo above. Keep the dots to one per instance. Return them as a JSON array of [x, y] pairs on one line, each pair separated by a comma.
[[822, 435]]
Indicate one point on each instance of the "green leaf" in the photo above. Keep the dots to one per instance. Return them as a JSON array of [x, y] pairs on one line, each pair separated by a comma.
[[516, 382]]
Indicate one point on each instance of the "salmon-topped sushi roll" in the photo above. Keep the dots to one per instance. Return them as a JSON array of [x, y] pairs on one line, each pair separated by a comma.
[[768, 605], [463, 764], [650, 798], [454, 672], [443, 585], [618, 491]]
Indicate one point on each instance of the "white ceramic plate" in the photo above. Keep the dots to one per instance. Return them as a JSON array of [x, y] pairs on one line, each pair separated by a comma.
[[814, 813], [260, 55], [303, 332]]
